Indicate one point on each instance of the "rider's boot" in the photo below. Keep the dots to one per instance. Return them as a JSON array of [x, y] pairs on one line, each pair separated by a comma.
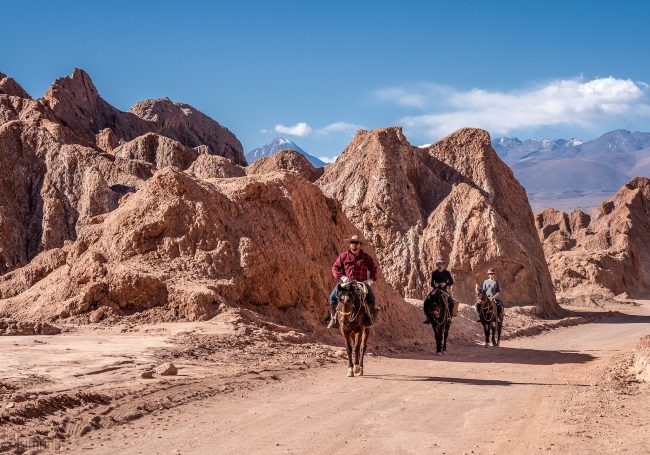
[[334, 322], [374, 311]]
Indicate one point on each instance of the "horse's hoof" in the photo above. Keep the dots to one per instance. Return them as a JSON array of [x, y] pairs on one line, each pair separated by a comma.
[[444, 352], [438, 353], [359, 373], [357, 369], [350, 373], [487, 345]]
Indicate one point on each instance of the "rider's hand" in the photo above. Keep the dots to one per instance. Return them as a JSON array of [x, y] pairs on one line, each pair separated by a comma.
[[344, 279], [368, 282]]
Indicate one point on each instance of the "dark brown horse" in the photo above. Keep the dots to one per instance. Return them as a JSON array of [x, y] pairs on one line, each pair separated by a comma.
[[491, 320], [437, 309], [353, 315]]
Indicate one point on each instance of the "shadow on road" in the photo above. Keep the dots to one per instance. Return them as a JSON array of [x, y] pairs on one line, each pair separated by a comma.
[[468, 381], [609, 317], [523, 356]]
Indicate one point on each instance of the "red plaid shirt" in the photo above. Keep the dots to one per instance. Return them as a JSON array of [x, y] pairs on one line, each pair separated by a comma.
[[355, 266]]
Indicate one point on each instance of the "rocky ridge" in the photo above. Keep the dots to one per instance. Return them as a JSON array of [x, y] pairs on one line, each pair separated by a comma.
[[454, 199], [603, 251]]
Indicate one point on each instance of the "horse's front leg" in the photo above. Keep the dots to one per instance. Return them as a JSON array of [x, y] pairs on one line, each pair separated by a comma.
[[364, 346], [348, 348], [438, 330], [357, 353], [444, 340], [486, 331], [495, 324], [499, 327]]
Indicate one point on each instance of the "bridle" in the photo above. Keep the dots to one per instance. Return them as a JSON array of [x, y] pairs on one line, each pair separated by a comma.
[[444, 307], [487, 309], [356, 309]]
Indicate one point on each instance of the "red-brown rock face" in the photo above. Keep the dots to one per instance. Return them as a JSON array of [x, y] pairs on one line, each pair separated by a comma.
[[183, 247], [605, 251], [11, 88], [71, 156], [214, 167], [455, 199], [49, 190], [76, 104], [288, 160], [189, 126], [157, 150]]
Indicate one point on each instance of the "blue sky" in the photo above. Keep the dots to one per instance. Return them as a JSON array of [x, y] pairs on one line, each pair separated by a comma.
[[317, 70]]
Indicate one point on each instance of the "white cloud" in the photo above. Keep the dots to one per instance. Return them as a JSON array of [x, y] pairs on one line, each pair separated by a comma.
[[338, 127], [301, 129], [328, 159], [559, 102], [402, 96]]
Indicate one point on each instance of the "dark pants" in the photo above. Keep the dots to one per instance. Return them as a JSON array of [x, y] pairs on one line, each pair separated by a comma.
[[370, 297]]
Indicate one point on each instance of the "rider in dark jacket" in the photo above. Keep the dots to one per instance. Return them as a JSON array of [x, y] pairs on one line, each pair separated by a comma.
[[441, 278]]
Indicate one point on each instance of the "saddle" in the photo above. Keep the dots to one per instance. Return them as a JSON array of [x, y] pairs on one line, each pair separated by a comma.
[[359, 286], [445, 295]]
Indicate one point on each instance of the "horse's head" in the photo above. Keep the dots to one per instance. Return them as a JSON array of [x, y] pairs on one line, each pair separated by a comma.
[[480, 295], [346, 304], [436, 299]]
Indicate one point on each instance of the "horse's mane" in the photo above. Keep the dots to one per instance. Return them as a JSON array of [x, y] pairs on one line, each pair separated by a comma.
[[435, 294], [353, 290]]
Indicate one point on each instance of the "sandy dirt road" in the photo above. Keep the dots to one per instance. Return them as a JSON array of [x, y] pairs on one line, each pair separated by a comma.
[[520, 398]]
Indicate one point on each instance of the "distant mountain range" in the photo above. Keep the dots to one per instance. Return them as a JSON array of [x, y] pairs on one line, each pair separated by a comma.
[[568, 174], [277, 144]]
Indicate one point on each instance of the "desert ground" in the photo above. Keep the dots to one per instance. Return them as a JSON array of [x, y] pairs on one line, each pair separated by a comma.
[[246, 387]]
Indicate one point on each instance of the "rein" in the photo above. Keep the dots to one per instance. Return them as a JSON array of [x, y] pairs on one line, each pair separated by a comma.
[[362, 304], [444, 306], [490, 307]]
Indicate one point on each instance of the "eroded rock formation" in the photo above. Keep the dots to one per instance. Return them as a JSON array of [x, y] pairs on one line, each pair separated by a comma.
[[71, 156], [454, 199], [180, 248], [288, 160], [605, 251]]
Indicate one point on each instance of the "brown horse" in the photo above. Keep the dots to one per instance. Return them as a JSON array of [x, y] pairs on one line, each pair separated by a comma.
[[436, 306], [491, 320], [353, 315]]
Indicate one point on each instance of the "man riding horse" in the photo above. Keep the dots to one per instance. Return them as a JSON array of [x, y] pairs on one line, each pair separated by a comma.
[[356, 265], [492, 290], [441, 279]]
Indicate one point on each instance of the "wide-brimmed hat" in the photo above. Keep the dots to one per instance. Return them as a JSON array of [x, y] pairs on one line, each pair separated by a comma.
[[491, 270], [355, 238], [440, 261]]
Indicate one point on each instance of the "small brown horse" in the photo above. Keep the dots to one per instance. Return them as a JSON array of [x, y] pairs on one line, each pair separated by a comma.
[[437, 310], [353, 315], [491, 320]]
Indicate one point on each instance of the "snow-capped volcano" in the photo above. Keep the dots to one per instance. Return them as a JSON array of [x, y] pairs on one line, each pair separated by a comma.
[[277, 144]]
